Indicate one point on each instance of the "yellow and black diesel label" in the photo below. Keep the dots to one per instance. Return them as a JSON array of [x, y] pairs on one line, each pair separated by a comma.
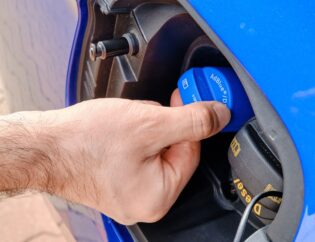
[[276, 200], [235, 147], [259, 209]]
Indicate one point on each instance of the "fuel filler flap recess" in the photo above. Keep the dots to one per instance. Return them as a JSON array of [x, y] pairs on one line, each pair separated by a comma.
[[255, 166]]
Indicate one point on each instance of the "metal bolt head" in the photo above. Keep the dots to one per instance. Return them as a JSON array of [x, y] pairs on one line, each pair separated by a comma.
[[93, 52], [101, 50]]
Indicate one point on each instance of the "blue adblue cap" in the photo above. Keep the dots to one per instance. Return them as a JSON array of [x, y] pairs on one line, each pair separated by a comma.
[[217, 84]]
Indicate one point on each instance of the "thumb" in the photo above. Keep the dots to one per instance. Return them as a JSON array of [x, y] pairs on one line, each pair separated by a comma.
[[194, 122]]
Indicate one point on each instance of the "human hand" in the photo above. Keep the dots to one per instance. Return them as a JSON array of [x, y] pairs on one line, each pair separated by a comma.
[[131, 159], [127, 159]]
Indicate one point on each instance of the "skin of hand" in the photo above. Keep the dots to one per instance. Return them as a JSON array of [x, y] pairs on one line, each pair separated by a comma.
[[127, 159]]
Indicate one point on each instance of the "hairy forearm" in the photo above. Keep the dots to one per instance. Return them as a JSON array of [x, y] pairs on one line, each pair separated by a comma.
[[48, 152], [29, 151], [109, 154]]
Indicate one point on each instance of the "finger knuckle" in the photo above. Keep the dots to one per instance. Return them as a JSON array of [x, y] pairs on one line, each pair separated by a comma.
[[203, 122]]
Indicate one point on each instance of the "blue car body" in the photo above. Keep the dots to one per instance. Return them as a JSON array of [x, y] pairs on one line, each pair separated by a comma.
[[273, 41]]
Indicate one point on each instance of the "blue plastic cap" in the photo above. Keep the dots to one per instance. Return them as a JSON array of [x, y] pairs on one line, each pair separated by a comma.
[[217, 84]]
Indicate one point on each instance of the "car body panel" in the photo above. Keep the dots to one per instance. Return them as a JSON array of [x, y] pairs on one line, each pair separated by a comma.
[[74, 61], [274, 42]]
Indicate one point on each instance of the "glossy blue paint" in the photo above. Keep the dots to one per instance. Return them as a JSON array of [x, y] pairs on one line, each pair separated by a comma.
[[73, 68], [116, 232], [274, 41]]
